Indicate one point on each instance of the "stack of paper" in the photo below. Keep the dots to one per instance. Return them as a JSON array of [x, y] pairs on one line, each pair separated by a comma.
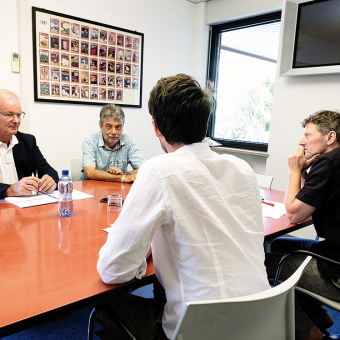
[[40, 199], [276, 211]]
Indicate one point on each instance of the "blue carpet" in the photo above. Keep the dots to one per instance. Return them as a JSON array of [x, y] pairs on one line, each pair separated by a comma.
[[69, 327], [335, 329], [74, 326]]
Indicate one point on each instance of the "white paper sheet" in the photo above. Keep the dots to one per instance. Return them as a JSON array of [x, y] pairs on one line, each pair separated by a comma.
[[53, 197], [276, 211]]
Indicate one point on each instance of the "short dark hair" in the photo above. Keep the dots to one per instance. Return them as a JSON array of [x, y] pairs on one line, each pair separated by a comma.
[[325, 122], [181, 109]]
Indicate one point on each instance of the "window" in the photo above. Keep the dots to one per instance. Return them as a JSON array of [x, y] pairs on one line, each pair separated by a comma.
[[243, 66]]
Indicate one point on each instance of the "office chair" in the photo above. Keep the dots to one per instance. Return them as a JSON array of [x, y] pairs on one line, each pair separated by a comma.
[[264, 181], [327, 302], [113, 315], [76, 165], [262, 316]]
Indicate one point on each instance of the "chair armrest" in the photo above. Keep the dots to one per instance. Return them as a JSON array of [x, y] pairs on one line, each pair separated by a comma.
[[299, 252]]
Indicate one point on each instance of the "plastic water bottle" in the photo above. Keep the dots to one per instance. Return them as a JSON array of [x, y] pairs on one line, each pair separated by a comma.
[[65, 187]]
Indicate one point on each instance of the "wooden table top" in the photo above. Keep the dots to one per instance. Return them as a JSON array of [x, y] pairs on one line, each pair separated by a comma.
[[48, 263]]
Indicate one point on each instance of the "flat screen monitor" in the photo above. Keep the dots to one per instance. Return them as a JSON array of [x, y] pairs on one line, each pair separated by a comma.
[[311, 37]]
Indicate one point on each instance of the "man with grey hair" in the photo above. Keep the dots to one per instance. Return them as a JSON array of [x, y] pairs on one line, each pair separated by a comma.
[[20, 156], [107, 153]]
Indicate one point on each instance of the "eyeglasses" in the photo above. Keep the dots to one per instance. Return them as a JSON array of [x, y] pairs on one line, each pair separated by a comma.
[[10, 116]]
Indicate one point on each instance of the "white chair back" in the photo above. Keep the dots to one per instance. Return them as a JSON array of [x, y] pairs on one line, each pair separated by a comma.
[[264, 181], [263, 316], [76, 165]]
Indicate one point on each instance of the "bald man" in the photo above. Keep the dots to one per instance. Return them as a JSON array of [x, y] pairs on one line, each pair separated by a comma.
[[20, 156]]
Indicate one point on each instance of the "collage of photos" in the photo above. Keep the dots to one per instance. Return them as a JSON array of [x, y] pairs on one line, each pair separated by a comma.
[[84, 62]]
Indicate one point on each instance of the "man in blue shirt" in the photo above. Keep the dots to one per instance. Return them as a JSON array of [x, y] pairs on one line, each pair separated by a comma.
[[107, 153]]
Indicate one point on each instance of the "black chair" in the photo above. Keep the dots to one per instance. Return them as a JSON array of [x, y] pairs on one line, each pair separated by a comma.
[[113, 315], [327, 302]]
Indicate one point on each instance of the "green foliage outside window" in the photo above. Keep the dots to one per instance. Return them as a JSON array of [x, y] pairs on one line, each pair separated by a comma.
[[251, 118]]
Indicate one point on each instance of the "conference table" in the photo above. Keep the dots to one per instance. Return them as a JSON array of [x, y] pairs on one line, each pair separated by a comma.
[[48, 263]]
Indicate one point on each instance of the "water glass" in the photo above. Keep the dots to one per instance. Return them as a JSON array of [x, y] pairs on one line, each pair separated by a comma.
[[114, 203]]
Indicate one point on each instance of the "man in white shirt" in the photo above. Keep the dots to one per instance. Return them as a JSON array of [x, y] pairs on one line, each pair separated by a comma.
[[199, 211]]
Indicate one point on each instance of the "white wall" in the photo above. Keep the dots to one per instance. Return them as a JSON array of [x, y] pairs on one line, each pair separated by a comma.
[[219, 11], [199, 54], [9, 44], [176, 40]]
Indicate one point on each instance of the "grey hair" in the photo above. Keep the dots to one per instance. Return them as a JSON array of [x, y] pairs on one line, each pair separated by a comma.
[[4, 92], [111, 111]]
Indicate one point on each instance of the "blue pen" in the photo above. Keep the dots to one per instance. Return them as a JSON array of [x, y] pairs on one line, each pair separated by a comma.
[[36, 175]]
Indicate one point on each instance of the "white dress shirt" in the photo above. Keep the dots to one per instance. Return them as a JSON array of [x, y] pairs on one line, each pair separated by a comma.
[[201, 212], [8, 171]]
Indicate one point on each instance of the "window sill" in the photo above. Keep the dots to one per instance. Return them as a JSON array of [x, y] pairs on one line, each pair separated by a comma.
[[247, 152]]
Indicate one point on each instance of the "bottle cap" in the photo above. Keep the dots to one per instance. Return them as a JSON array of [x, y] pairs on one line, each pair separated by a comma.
[[64, 172]]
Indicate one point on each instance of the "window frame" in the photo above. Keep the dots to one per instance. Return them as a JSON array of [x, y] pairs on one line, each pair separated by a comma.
[[213, 67]]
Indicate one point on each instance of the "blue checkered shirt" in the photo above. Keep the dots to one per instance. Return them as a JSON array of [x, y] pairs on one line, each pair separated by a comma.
[[97, 154]]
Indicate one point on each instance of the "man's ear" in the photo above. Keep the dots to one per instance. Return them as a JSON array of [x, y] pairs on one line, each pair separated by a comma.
[[331, 138], [155, 128]]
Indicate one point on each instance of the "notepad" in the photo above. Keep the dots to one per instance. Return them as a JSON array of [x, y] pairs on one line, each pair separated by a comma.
[[276, 211], [34, 200]]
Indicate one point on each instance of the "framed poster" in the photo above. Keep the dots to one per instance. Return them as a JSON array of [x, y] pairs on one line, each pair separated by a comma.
[[78, 61]]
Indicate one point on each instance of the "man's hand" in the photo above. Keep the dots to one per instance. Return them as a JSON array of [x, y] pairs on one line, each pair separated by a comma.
[[297, 161], [296, 210], [130, 178], [115, 171], [113, 174], [46, 184], [24, 187]]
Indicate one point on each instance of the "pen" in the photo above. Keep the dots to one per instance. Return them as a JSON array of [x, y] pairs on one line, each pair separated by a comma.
[[36, 175], [271, 204]]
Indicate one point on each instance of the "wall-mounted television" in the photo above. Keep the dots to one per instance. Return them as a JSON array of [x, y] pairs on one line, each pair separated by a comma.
[[310, 37]]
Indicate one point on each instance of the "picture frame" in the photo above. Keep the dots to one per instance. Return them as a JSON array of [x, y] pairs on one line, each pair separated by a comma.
[[79, 61]]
